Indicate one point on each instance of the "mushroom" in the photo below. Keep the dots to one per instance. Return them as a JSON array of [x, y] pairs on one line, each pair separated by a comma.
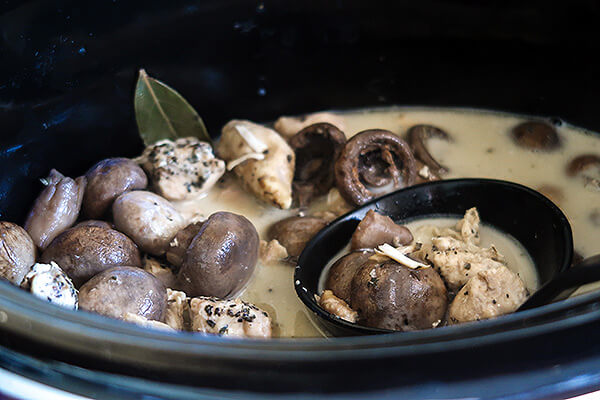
[[585, 165], [374, 157], [376, 229], [107, 180], [56, 208], [289, 126], [181, 242], [388, 295], [417, 136], [317, 147], [84, 251], [341, 273], [261, 159], [17, 252], [150, 220], [536, 135], [221, 258], [295, 232], [118, 291]]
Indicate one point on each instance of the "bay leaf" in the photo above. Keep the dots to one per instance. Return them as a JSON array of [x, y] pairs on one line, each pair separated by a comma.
[[162, 113]]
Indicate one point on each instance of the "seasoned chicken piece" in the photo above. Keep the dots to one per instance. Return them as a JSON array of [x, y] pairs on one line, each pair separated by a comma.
[[145, 323], [336, 306], [161, 271], [490, 293], [289, 126], [177, 309], [261, 159], [272, 252], [182, 169], [469, 226], [229, 318], [49, 282], [455, 253]]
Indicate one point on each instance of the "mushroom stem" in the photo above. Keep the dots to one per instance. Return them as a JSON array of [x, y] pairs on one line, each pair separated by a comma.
[[417, 135]]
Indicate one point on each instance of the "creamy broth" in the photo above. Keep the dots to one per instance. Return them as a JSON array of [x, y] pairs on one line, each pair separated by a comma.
[[481, 147]]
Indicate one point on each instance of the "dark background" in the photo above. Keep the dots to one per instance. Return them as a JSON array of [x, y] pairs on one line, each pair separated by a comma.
[[68, 68]]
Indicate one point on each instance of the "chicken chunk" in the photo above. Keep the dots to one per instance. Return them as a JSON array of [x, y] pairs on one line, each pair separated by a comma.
[[490, 293], [289, 126], [261, 159], [161, 271], [145, 323], [177, 309], [455, 254], [336, 306], [49, 282], [182, 169], [272, 251], [234, 318]]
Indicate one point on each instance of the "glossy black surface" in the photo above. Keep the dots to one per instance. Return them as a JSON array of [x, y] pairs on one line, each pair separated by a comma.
[[67, 73], [529, 217]]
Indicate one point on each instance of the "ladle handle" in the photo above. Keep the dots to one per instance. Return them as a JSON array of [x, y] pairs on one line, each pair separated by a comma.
[[587, 271]]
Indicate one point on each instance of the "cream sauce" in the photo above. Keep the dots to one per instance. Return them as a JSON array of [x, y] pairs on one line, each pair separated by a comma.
[[481, 147]]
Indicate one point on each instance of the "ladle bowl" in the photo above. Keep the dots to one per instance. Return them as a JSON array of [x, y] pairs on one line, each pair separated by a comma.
[[532, 219]]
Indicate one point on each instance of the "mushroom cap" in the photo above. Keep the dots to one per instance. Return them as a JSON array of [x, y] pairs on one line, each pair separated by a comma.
[[371, 153], [535, 135]]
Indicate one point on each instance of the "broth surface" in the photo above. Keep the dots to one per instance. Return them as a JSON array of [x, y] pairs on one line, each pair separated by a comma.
[[481, 148]]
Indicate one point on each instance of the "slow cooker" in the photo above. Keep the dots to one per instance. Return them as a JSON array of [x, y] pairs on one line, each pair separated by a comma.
[[66, 81]]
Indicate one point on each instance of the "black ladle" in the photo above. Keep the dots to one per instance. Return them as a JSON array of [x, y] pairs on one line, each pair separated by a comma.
[[532, 219]]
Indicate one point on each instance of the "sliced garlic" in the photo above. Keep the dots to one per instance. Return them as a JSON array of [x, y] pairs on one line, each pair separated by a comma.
[[396, 254], [253, 142]]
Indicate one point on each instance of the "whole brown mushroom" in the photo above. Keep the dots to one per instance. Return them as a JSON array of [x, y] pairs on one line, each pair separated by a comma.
[[118, 291], [84, 251], [388, 295], [295, 232], [535, 135], [317, 147], [56, 208], [588, 167], [107, 180], [417, 137], [341, 273], [221, 258], [376, 229], [150, 220], [17, 252], [376, 157]]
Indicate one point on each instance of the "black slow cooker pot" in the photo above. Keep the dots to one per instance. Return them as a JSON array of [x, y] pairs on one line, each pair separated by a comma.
[[67, 72]]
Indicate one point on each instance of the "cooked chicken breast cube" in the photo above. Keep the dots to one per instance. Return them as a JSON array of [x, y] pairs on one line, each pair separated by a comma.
[[49, 282], [229, 318], [262, 160], [490, 293], [337, 306], [182, 169], [177, 309]]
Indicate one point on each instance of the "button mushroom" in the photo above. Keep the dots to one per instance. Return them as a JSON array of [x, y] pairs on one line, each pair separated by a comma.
[[295, 232], [118, 291], [317, 147], [84, 251], [56, 208], [17, 252], [535, 135], [261, 159], [376, 229], [391, 296], [374, 156], [221, 258], [588, 167], [289, 126], [417, 136], [108, 179], [150, 220], [182, 169], [341, 273]]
